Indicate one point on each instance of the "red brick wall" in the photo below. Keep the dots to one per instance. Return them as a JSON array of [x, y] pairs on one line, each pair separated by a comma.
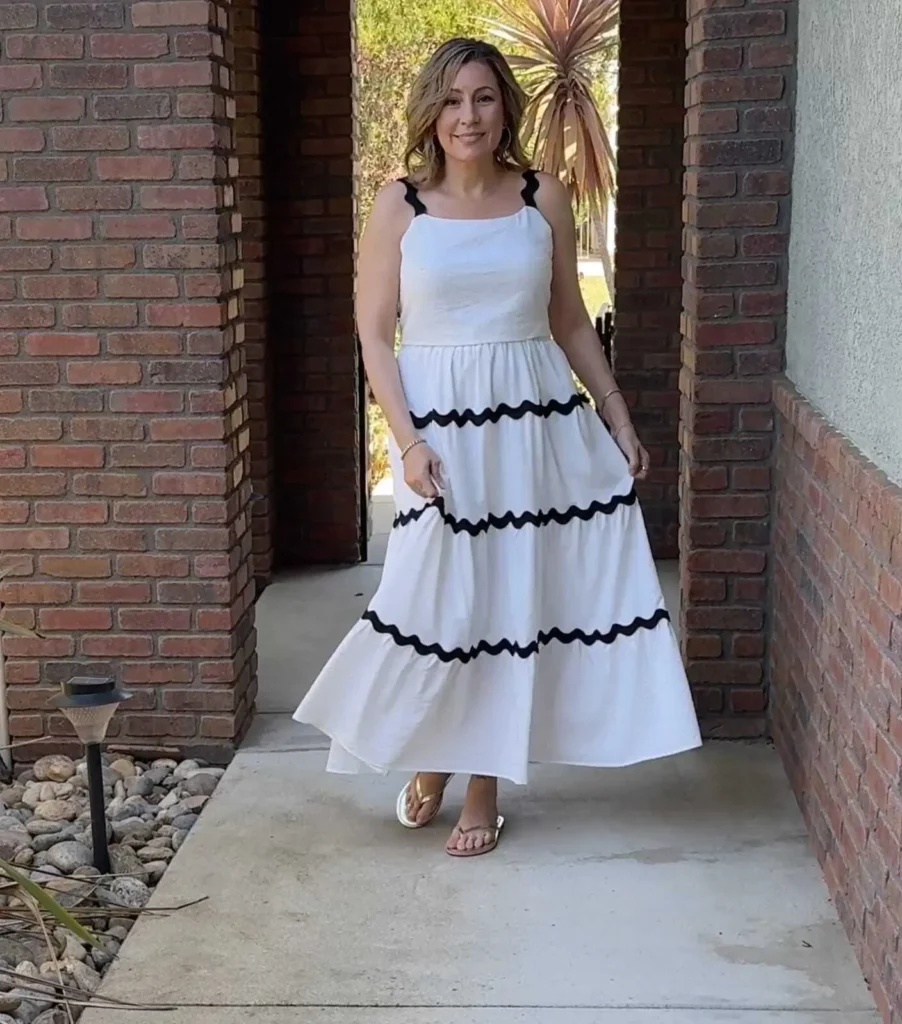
[[736, 215], [309, 142], [251, 206], [124, 441], [837, 675], [649, 246]]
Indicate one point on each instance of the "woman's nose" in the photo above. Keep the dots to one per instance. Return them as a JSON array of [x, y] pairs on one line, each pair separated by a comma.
[[468, 112]]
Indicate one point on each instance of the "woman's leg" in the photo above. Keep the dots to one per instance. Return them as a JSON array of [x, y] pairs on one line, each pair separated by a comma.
[[476, 827]]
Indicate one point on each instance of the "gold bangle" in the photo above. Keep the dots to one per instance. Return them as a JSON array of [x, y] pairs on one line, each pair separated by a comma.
[[413, 444], [622, 426], [604, 401]]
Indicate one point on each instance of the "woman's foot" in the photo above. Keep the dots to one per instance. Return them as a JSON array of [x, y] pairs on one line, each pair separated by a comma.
[[477, 829], [423, 798]]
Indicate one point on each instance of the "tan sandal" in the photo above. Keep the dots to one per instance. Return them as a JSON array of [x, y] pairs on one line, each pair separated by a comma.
[[422, 799], [487, 848]]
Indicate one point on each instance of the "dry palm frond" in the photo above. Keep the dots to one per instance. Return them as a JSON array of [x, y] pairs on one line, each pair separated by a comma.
[[561, 44]]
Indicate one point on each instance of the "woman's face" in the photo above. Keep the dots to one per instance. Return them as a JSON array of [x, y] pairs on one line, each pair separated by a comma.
[[471, 123]]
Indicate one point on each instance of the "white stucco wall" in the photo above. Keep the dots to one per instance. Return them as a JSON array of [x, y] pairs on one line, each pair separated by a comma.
[[844, 333]]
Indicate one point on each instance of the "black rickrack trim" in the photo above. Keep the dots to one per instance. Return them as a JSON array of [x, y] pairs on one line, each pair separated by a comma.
[[413, 197], [515, 412], [509, 646], [518, 521], [530, 188]]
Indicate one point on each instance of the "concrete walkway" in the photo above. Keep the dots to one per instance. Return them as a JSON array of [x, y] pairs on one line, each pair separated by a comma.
[[677, 892]]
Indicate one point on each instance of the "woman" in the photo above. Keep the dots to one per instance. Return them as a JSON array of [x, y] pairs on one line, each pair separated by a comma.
[[519, 617]]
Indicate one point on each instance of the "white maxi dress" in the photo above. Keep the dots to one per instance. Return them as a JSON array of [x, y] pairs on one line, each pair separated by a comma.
[[519, 617]]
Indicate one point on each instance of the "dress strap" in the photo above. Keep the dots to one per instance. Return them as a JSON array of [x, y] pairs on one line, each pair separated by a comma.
[[413, 197], [530, 187]]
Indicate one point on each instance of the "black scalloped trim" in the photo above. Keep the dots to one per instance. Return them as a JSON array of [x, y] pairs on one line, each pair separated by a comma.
[[518, 521], [513, 412], [530, 188], [413, 197], [509, 646]]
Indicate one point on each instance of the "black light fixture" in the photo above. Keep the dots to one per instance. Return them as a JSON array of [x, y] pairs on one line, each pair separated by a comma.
[[89, 704]]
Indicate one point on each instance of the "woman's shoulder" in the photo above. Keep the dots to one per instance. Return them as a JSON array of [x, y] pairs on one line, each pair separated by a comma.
[[550, 187], [393, 197], [391, 211]]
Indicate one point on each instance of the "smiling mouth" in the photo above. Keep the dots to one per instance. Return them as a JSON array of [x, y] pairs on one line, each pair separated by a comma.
[[470, 136]]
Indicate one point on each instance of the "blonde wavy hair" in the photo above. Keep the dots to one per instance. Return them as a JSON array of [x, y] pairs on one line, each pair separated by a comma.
[[424, 157]]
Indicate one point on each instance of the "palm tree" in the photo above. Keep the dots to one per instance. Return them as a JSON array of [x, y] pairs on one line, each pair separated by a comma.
[[562, 48]]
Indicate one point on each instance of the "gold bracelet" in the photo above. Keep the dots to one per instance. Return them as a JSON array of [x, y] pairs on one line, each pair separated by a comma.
[[604, 401], [622, 426], [413, 444]]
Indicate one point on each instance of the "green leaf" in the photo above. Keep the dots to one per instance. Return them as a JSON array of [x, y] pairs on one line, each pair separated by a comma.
[[48, 903]]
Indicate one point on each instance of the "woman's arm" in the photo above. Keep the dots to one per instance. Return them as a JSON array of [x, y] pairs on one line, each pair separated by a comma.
[[573, 331], [378, 284], [377, 297]]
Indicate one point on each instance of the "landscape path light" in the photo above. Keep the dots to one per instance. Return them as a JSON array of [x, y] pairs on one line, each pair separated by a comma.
[[89, 704]]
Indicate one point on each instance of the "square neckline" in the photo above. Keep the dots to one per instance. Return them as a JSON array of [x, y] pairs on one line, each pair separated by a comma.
[[527, 193]]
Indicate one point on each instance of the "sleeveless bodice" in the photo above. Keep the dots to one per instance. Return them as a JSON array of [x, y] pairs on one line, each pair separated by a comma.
[[475, 282]]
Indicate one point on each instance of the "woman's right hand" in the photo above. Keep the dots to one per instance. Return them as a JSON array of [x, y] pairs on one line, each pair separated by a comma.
[[423, 471]]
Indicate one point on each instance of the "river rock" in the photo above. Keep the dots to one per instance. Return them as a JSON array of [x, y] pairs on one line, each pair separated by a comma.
[[200, 784], [55, 1016], [54, 768], [9, 1003], [39, 827], [10, 823], [151, 853], [16, 950], [169, 801], [46, 842], [185, 822], [135, 828], [195, 804], [124, 767], [124, 861], [56, 810], [185, 769], [110, 777], [73, 949], [87, 979], [69, 891], [157, 775], [140, 785], [32, 1006], [11, 843], [68, 856], [32, 795], [129, 892]]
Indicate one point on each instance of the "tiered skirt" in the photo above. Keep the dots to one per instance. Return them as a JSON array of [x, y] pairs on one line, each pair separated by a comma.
[[519, 617]]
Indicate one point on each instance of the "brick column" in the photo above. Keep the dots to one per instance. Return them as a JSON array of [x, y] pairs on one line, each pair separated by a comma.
[[736, 212], [249, 147], [124, 441], [309, 142], [649, 246]]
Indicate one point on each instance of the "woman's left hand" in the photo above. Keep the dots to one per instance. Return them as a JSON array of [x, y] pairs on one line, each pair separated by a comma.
[[628, 441]]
